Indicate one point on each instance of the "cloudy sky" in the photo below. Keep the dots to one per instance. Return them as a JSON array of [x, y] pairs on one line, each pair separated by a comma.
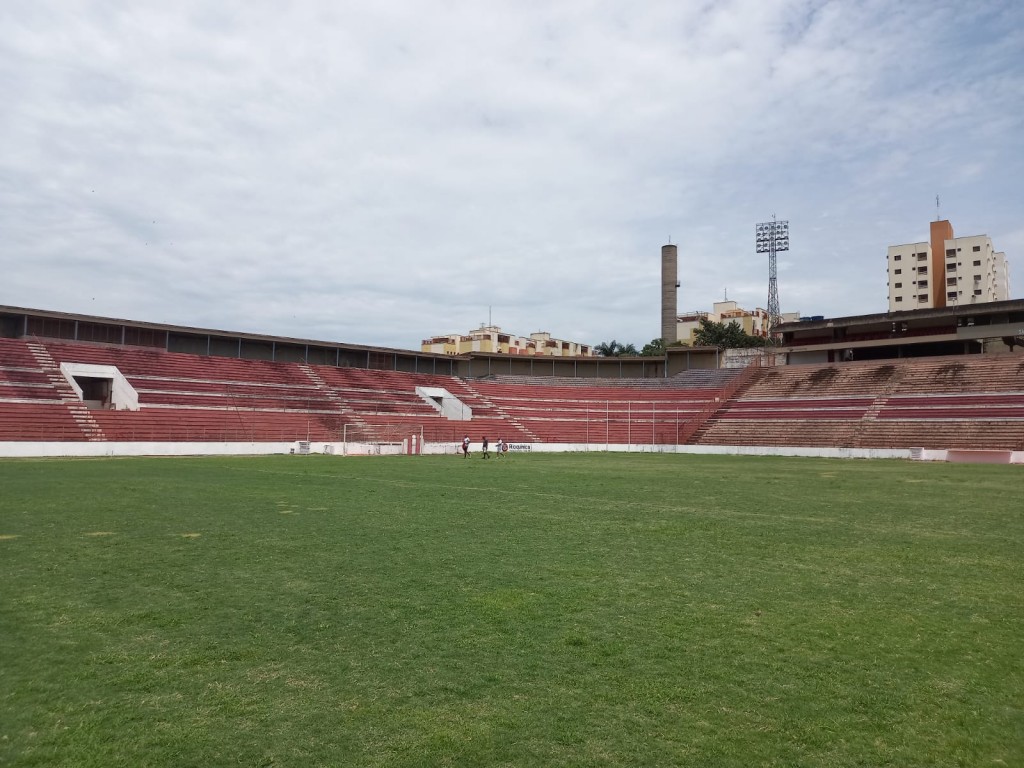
[[381, 172]]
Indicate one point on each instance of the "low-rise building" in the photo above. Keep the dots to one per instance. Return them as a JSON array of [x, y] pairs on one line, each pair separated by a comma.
[[490, 338], [754, 322]]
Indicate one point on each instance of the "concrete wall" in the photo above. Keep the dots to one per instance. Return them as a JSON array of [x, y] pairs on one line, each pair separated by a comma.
[[719, 450], [90, 449], [32, 449], [814, 357]]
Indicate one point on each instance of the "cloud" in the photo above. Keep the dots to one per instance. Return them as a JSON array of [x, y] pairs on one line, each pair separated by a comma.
[[382, 174]]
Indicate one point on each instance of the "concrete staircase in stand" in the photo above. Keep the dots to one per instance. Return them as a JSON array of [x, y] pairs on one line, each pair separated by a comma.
[[698, 427], [79, 411], [881, 398]]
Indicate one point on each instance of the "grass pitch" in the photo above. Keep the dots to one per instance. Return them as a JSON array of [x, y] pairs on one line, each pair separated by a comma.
[[584, 610]]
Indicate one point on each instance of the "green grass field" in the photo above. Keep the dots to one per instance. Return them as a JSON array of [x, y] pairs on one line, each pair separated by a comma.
[[584, 610]]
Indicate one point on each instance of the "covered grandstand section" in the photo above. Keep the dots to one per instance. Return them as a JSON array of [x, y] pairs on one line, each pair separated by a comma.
[[19, 322], [967, 329]]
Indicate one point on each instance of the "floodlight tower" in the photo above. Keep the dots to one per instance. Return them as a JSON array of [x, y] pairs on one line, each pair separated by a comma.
[[772, 237]]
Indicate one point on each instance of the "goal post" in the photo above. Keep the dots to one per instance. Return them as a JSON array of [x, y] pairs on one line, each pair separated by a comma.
[[382, 439]]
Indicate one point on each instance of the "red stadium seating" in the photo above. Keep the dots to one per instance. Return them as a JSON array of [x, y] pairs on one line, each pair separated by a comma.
[[962, 402]]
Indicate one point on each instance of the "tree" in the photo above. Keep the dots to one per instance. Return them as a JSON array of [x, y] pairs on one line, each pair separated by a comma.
[[725, 336], [614, 349], [654, 348]]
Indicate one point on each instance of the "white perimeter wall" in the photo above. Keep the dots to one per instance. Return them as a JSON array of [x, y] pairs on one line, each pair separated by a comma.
[[719, 450], [86, 449], [28, 449]]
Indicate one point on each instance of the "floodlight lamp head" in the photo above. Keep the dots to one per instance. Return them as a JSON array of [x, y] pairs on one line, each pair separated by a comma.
[[772, 236], [782, 236], [764, 235]]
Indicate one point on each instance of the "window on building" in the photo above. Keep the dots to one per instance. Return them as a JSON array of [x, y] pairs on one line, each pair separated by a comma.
[[977, 291], [922, 256], [951, 267], [977, 262], [897, 257], [976, 248], [950, 281], [922, 283], [899, 285], [951, 251], [922, 270], [922, 298], [898, 271], [899, 298]]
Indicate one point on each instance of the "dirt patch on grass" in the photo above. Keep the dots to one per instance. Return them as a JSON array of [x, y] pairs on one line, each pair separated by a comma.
[[8, 536], [99, 533]]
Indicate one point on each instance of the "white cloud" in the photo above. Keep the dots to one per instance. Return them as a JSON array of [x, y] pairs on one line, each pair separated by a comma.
[[382, 174]]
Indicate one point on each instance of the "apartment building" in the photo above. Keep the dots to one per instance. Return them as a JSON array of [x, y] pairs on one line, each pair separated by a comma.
[[946, 271]]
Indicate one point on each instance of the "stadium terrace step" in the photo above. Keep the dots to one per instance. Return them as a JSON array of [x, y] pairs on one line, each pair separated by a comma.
[[938, 402]]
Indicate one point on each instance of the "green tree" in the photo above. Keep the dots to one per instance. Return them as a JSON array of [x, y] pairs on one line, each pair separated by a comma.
[[615, 349], [654, 348], [725, 336]]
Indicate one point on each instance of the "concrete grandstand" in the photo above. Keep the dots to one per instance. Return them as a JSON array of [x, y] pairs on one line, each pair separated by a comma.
[[82, 385]]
